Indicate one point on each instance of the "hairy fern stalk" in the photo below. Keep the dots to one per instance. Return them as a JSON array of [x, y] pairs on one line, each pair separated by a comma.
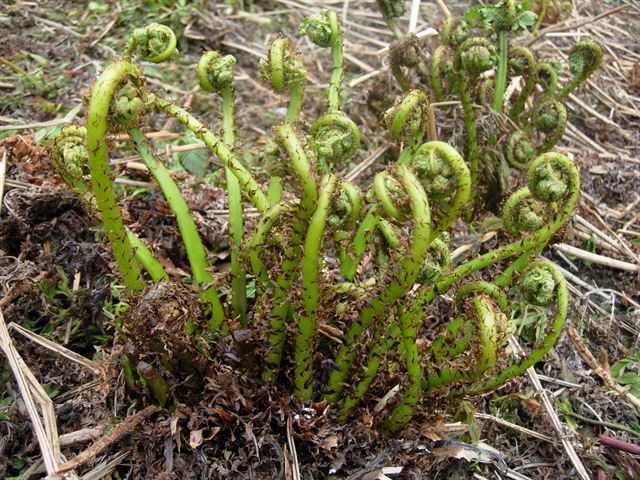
[[390, 241]]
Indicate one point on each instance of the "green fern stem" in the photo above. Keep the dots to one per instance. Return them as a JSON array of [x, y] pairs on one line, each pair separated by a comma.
[[471, 139], [311, 265], [404, 278], [280, 299], [188, 230], [436, 72], [351, 256], [215, 74], [338, 60], [248, 184], [146, 258], [282, 310], [501, 73], [236, 222], [323, 28], [543, 13], [102, 93], [254, 247], [523, 62], [383, 342], [391, 9], [301, 166]]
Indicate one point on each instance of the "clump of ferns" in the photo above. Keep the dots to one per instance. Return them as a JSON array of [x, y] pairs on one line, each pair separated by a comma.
[[476, 58], [344, 278]]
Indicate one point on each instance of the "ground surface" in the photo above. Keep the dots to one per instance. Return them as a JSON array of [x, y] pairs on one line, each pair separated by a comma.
[[56, 277]]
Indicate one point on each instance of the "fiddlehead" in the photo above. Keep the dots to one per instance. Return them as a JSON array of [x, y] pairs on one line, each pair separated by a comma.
[[118, 99], [469, 345], [69, 157], [522, 212], [552, 178], [215, 71], [454, 32], [473, 57], [584, 59], [445, 177], [547, 79], [519, 150], [215, 74], [391, 8], [283, 70], [437, 263], [463, 352], [521, 62], [155, 43], [541, 284], [441, 67], [346, 207], [407, 121], [128, 105], [550, 118], [323, 29], [335, 139]]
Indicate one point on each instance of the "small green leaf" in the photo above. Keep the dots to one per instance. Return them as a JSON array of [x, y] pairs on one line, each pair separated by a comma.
[[474, 16], [195, 161], [627, 372], [525, 21]]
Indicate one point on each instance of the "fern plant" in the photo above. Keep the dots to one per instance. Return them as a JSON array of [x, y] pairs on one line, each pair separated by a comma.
[[368, 263], [477, 57]]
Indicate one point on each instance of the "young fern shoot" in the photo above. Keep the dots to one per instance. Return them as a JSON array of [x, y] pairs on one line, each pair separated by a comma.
[[215, 73]]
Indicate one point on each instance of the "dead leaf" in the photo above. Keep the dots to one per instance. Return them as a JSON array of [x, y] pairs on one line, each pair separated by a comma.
[[195, 438], [480, 452], [330, 442], [381, 473]]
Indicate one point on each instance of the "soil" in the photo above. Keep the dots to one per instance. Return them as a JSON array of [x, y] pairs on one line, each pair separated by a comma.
[[58, 279]]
